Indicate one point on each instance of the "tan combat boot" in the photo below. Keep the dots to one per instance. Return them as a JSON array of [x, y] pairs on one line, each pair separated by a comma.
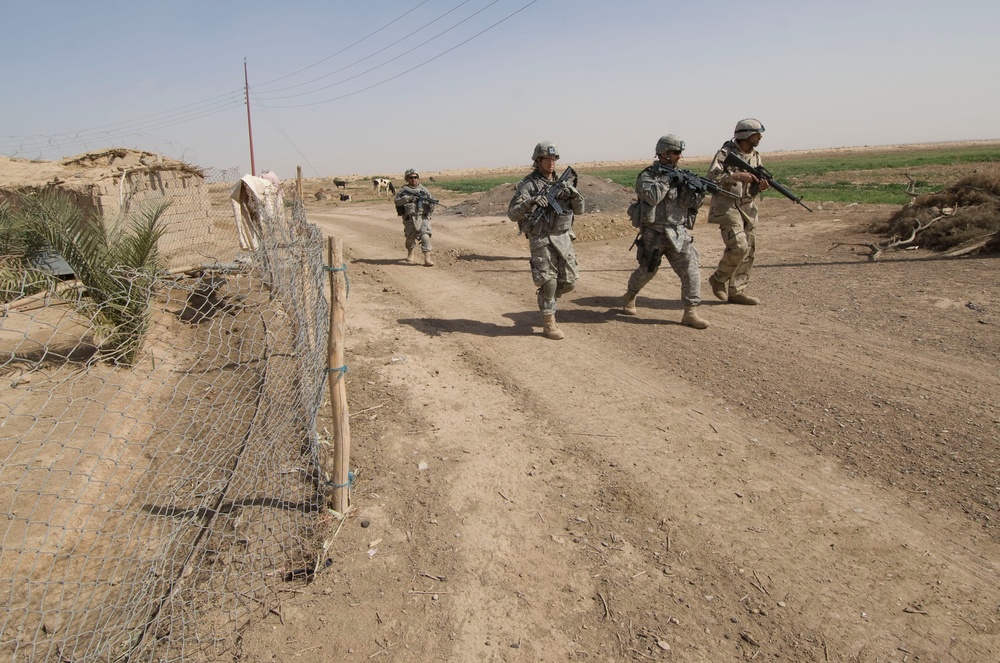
[[628, 303], [719, 288], [427, 259], [551, 330], [409, 255], [691, 319]]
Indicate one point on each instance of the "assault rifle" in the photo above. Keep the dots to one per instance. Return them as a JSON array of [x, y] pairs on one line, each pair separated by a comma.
[[733, 161], [421, 199], [681, 178], [425, 198], [550, 192]]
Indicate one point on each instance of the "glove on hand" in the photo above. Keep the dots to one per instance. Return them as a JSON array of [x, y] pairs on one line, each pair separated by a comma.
[[540, 201], [567, 192]]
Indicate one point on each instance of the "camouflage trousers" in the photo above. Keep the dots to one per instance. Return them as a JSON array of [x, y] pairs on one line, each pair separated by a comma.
[[553, 269], [686, 265], [414, 233], [737, 259]]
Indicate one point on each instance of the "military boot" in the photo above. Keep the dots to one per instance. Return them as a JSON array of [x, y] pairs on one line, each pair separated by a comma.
[[691, 319], [409, 255], [628, 303], [718, 288], [427, 259], [551, 330]]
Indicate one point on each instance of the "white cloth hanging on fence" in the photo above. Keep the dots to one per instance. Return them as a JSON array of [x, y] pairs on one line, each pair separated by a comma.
[[251, 197]]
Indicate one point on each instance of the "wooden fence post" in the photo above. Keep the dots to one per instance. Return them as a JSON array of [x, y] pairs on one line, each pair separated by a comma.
[[336, 372]]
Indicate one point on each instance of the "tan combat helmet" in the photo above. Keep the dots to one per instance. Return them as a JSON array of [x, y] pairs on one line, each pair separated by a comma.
[[746, 128], [545, 149], [409, 172], [669, 143]]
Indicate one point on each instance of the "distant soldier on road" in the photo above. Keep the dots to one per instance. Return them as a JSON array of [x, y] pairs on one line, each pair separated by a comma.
[[666, 212], [415, 204], [736, 219], [549, 231]]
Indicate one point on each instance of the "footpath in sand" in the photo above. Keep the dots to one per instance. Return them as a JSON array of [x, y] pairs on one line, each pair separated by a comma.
[[812, 479]]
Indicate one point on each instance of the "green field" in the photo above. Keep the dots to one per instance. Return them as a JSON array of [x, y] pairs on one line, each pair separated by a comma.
[[870, 176]]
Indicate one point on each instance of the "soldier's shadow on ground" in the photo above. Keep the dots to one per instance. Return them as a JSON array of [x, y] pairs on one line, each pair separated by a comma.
[[382, 261], [523, 325], [474, 257], [651, 311]]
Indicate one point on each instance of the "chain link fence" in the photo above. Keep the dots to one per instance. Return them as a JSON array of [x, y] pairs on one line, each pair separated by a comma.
[[150, 512]]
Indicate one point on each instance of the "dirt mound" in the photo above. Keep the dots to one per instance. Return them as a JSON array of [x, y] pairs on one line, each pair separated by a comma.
[[969, 211], [600, 194]]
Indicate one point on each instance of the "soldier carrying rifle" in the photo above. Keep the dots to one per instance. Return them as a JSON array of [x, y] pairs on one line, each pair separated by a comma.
[[415, 204], [543, 207], [665, 212], [737, 219]]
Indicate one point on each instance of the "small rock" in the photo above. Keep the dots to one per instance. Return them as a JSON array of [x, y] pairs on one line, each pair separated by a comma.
[[663, 644], [365, 523]]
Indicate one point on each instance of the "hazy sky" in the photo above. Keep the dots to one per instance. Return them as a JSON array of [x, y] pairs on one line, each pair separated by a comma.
[[366, 87]]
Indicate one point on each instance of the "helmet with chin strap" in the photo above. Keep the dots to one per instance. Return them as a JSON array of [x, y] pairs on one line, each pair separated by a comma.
[[748, 127]]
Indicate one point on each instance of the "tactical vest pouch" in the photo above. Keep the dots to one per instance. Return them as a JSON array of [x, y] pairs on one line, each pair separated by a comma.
[[633, 214], [560, 224], [400, 210]]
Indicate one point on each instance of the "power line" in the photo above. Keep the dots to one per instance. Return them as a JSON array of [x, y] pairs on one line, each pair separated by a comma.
[[285, 134], [379, 66], [350, 46], [370, 55], [185, 113], [425, 62]]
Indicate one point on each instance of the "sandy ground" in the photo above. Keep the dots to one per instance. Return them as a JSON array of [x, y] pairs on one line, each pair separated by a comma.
[[812, 479]]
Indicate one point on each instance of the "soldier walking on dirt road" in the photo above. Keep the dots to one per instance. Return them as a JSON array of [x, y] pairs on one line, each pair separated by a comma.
[[736, 219], [665, 213], [415, 204], [537, 208]]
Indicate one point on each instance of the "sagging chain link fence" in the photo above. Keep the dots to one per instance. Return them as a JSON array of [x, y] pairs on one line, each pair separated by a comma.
[[149, 512]]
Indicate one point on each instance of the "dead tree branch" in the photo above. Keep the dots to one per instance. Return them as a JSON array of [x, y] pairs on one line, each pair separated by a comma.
[[877, 249]]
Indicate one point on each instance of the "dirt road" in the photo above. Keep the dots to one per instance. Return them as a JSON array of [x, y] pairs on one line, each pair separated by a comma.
[[812, 479]]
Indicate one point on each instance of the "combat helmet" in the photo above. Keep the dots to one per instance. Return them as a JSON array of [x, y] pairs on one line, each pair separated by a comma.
[[409, 172], [545, 149], [668, 143], [746, 128]]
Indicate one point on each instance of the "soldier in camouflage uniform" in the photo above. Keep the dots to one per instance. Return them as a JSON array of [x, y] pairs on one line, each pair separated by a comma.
[[736, 219], [665, 214], [415, 204], [550, 237]]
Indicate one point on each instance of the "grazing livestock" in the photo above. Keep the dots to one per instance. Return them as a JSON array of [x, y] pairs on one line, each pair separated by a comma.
[[340, 184], [345, 197], [380, 184]]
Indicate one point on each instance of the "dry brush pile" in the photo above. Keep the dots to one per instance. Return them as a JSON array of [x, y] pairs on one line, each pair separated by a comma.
[[963, 218]]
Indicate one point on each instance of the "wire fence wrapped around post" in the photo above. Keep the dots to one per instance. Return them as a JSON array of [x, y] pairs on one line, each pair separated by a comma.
[[153, 510]]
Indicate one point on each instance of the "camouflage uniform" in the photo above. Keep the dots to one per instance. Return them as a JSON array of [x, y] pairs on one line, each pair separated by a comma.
[[416, 215], [736, 219], [553, 261], [666, 216]]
